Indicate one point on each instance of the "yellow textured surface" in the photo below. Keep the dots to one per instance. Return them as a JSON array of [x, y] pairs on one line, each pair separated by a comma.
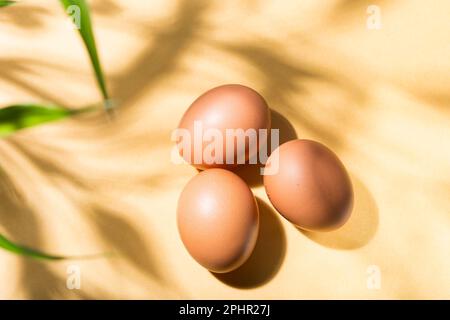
[[379, 98]]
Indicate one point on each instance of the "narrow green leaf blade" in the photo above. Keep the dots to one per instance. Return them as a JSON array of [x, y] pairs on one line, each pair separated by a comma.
[[73, 8], [25, 251], [20, 116], [5, 3]]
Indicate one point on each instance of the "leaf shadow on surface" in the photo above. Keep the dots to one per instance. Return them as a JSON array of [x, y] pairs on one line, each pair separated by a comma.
[[105, 7], [438, 99], [126, 245], [281, 77], [29, 17], [126, 242], [345, 10], [267, 257], [38, 279], [46, 161], [117, 234], [161, 57], [17, 71]]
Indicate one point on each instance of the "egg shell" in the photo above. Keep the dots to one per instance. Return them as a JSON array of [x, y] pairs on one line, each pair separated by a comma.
[[311, 187], [218, 220], [230, 106]]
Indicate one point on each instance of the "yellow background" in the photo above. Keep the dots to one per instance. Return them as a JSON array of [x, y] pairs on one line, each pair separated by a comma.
[[379, 98]]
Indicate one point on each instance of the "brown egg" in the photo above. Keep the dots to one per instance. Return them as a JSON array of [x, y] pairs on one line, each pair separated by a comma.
[[229, 106], [311, 187], [218, 220]]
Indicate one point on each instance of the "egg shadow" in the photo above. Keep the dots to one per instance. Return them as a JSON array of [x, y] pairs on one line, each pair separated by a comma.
[[251, 173], [359, 229], [266, 259], [285, 127]]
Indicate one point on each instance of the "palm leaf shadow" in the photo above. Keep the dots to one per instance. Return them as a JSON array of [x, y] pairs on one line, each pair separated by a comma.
[[40, 281], [125, 241], [282, 77], [161, 58], [16, 72], [27, 17], [116, 232]]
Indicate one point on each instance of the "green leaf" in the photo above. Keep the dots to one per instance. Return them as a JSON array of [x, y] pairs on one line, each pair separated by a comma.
[[16, 117], [73, 8], [21, 116], [5, 3], [25, 251], [36, 254]]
